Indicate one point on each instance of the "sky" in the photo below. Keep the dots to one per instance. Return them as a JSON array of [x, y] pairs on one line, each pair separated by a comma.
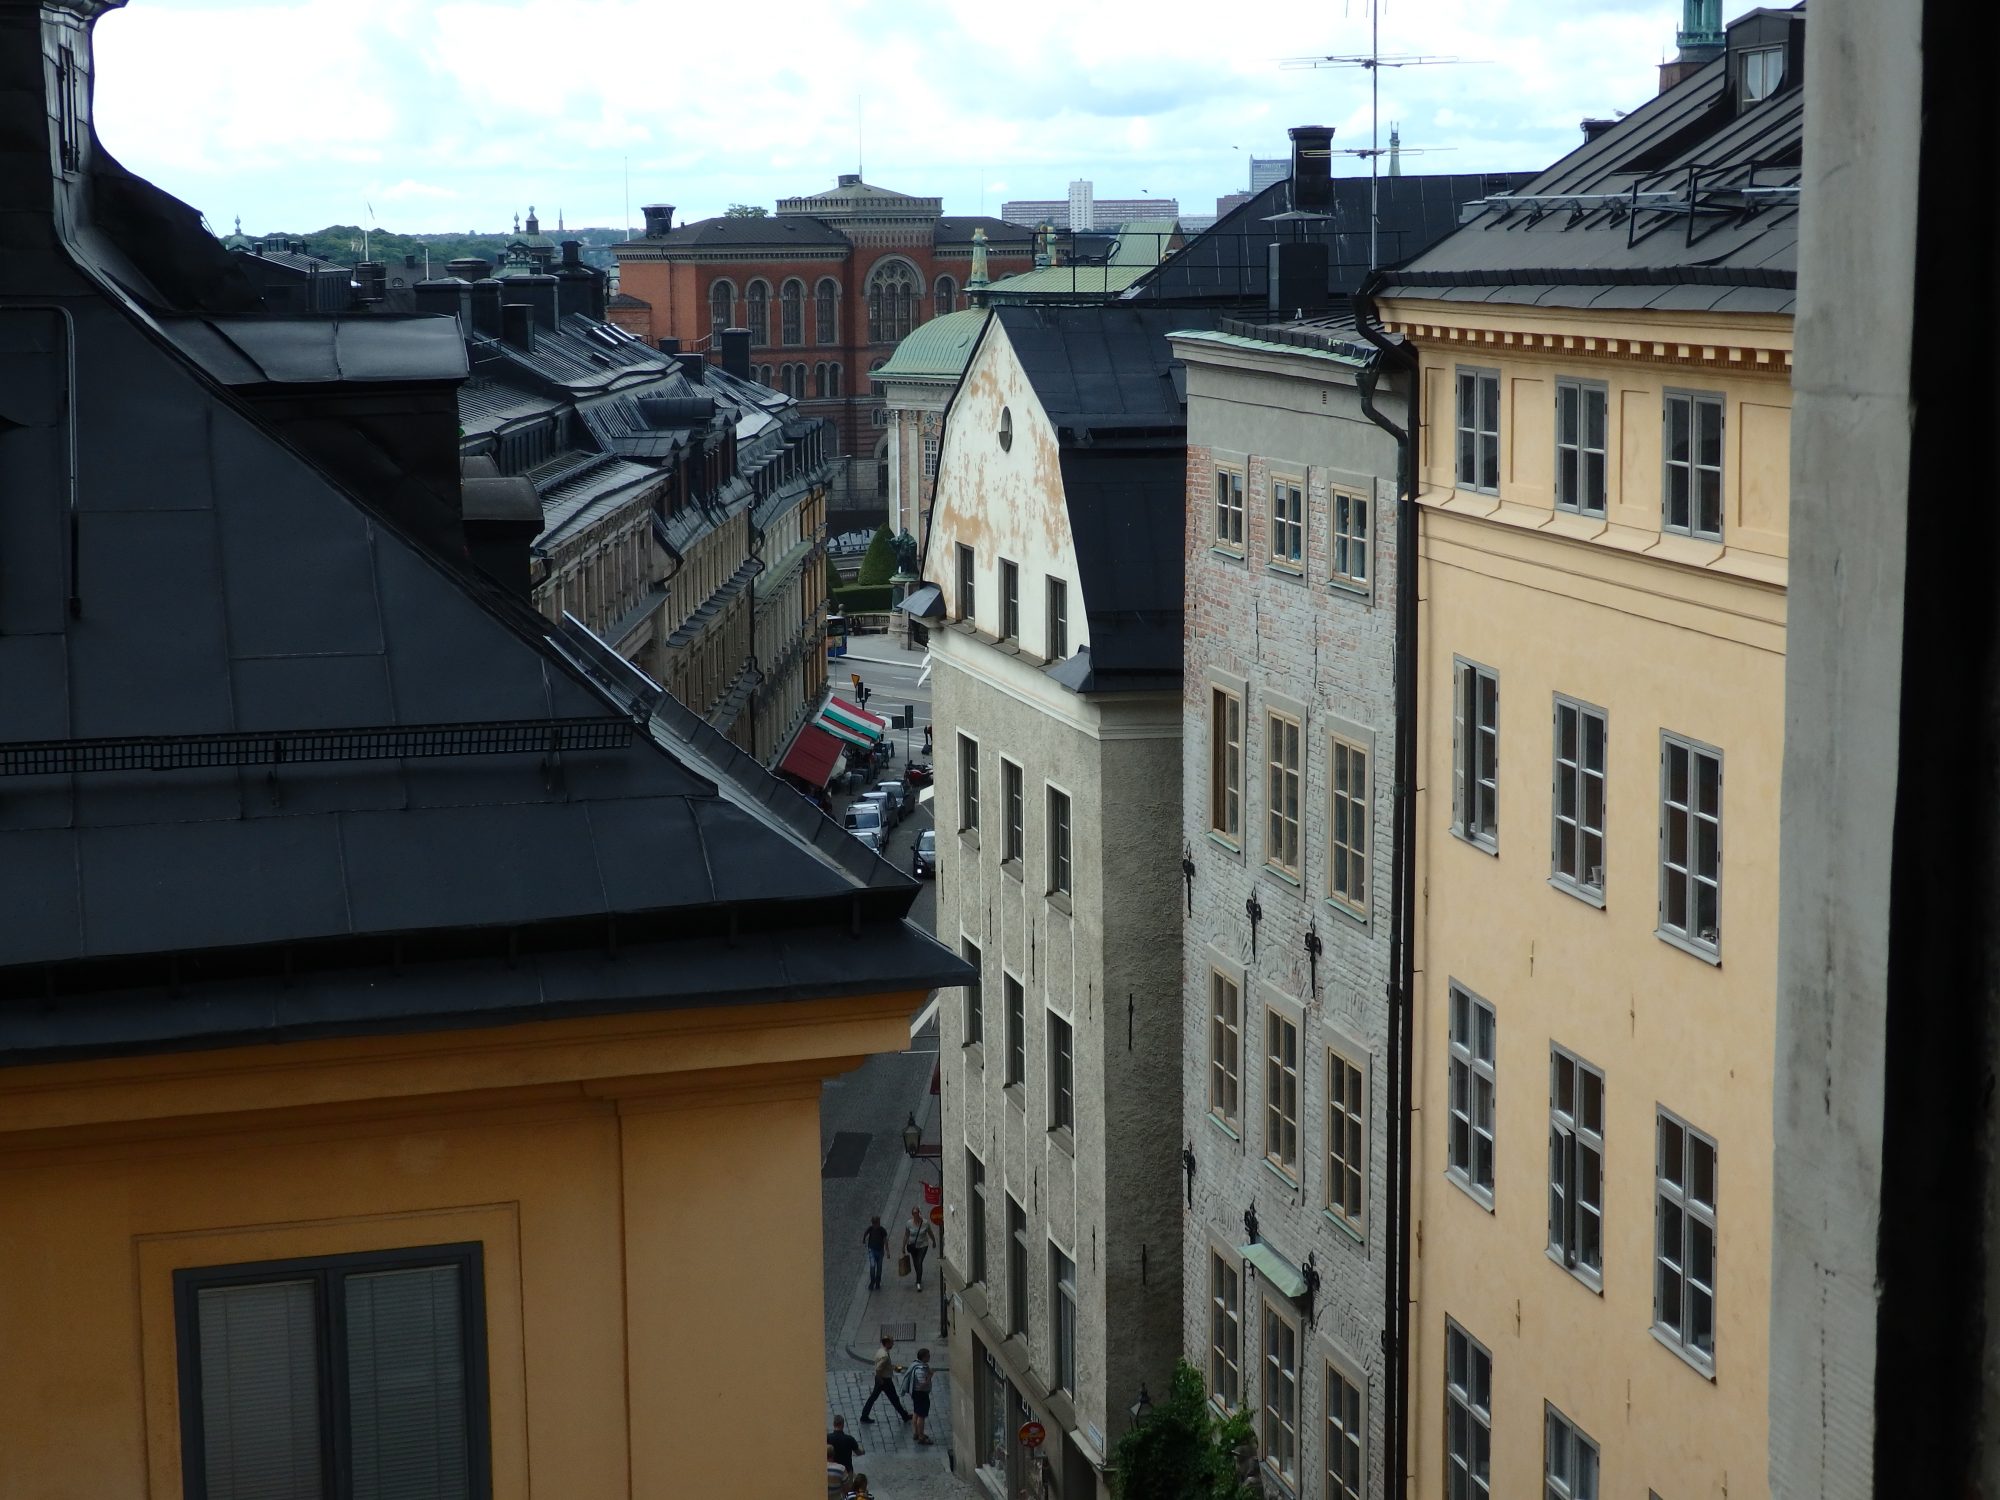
[[455, 115]]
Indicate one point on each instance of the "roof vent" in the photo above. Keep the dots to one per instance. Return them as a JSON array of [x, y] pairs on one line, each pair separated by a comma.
[[850, 179], [1592, 129], [659, 219], [1312, 169]]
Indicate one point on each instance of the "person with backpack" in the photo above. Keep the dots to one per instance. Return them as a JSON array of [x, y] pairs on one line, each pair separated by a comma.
[[917, 1381]]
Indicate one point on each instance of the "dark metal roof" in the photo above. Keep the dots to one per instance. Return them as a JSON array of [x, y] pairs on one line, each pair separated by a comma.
[[956, 229], [1095, 366], [775, 232]]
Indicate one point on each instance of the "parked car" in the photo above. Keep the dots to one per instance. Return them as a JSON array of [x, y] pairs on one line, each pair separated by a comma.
[[899, 796], [864, 821], [923, 858], [880, 801]]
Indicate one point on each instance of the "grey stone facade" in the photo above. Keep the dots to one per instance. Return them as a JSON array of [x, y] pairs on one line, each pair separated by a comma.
[[1295, 640]]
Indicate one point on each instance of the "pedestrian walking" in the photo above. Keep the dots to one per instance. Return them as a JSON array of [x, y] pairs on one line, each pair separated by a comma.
[[917, 1242], [886, 1371], [859, 1489], [876, 1239], [842, 1445], [918, 1381]]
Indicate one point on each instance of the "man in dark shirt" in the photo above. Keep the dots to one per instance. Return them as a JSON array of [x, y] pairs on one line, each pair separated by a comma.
[[841, 1445], [876, 1238]]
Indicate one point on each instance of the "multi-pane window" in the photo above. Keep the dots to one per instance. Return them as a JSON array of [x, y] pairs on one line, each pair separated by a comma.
[[1225, 1041], [1479, 430], [1350, 538], [1691, 843], [1281, 745], [1059, 861], [1225, 1330], [1475, 761], [1763, 72], [1017, 1267], [1346, 1140], [1693, 441], [792, 313], [1015, 837], [1062, 1074], [1578, 843], [1345, 1415], [975, 1207], [721, 306], [1576, 1165], [967, 577], [1058, 619], [893, 293], [1468, 1416], [1347, 827], [1017, 1028], [1684, 1254], [1281, 1395], [968, 783], [757, 312], [1281, 1093], [826, 317], [1470, 1144], [1569, 1460], [947, 295], [1062, 1318], [1225, 764], [1229, 509], [1580, 421], [1010, 600], [345, 1376], [975, 995], [1288, 523]]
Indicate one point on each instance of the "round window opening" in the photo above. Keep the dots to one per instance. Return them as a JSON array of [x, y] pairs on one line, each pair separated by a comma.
[[1006, 428]]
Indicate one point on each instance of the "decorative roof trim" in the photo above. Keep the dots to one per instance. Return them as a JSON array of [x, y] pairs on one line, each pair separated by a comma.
[[1659, 351]]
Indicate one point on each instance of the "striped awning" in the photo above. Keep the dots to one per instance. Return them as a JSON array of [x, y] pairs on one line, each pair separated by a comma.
[[846, 721]]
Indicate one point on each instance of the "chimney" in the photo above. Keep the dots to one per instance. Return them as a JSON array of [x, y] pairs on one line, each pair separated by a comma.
[[694, 366], [669, 346], [1296, 282], [503, 517], [469, 268], [735, 346], [517, 326], [486, 298], [1592, 129], [659, 219], [446, 295], [579, 288], [1312, 169], [538, 290], [371, 281], [410, 261]]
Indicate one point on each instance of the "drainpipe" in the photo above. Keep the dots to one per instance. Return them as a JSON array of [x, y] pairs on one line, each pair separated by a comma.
[[1402, 910]]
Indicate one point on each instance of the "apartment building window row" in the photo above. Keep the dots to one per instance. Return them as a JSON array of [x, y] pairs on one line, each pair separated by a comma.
[[1471, 1063], [1576, 1165]]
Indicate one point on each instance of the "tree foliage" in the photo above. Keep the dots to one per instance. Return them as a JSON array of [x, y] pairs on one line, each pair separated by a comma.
[[878, 565], [1184, 1450], [746, 211]]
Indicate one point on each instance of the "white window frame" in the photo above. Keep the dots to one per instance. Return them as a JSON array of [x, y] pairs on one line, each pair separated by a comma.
[[1758, 60], [1225, 1321], [1057, 618], [1225, 1049], [1579, 496], [1350, 514], [1062, 1072], [1344, 1411], [1062, 870], [1013, 812], [1473, 1111], [1284, 730], [1281, 1092], [968, 784], [1699, 405], [1288, 523], [1475, 785], [1569, 1459], [1344, 1195], [1229, 511], [1686, 874], [1679, 1217], [1477, 453], [1280, 1396], [1468, 1409], [1225, 764], [1576, 1153], [1571, 781], [1350, 810]]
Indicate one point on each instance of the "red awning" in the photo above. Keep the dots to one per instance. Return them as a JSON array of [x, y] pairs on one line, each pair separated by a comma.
[[813, 757]]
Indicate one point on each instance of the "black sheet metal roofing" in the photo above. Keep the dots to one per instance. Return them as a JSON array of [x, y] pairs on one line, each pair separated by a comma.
[[1096, 366], [776, 231]]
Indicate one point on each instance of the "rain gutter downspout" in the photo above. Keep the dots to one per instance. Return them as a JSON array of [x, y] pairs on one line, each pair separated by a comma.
[[1402, 909]]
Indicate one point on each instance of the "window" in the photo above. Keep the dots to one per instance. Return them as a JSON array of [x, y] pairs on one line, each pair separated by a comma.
[[69, 91], [1015, 838], [1691, 843], [1229, 509], [975, 995], [1468, 1416], [792, 313], [968, 784], [1288, 523], [1059, 865], [833, 382], [826, 300], [1347, 827], [1058, 619], [1282, 751], [1225, 1331], [1580, 407], [1017, 1028], [1225, 1038], [1281, 1395], [1346, 1140], [1010, 600], [1225, 764], [1569, 1460], [1470, 1145], [344, 1376], [966, 578], [1017, 1267], [1479, 430], [1576, 1165], [1350, 538], [1345, 1414], [1475, 742], [1578, 846], [1062, 1074], [893, 293], [721, 306], [1062, 1319], [947, 295], [757, 312], [975, 1200], [1693, 443], [1006, 433], [1281, 1093], [1763, 72], [1684, 1260]]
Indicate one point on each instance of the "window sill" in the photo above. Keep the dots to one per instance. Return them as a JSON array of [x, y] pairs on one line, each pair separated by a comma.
[[1226, 553], [1063, 1138], [1281, 1174], [968, 838], [1224, 1126], [1227, 845], [1352, 1231], [1340, 908], [1362, 591], [1481, 1196], [1483, 843], [1294, 572], [1589, 1280], [1277, 1477], [1011, 868], [1060, 901], [1704, 1367], [1582, 893], [974, 1053], [1709, 956], [1283, 877], [1017, 1095]]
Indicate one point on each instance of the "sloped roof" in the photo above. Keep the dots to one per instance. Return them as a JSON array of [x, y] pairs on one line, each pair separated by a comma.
[[1098, 366], [776, 231], [940, 348], [954, 229], [1049, 283]]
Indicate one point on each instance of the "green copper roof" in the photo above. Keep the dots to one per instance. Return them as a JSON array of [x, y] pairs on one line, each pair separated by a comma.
[[1080, 281], [1144, 242], [941, 347]]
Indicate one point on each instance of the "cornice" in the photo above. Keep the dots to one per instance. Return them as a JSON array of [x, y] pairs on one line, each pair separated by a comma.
[[1746, 353]]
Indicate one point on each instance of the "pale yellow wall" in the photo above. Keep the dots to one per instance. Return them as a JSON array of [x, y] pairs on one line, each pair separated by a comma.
[[1660, 633]]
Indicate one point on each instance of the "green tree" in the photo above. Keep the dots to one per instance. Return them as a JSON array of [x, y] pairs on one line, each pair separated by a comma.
[[746, 211], [1183, 1450], [833, 578], [878, 564]]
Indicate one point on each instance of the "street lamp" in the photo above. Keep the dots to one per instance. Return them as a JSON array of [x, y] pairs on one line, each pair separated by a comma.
[[1143, 1407], [913, 1136], [913, 1141]]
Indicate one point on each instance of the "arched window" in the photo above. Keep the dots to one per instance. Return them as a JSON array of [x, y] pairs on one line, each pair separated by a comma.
[[947, 295], [795, 381], [721, 306], [833, 381], [819, 380], [792, 302], [893, 292], [828, 315], [757, 312]]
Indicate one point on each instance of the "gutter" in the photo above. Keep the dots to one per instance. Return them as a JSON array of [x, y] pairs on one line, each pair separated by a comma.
[[1402, 908]]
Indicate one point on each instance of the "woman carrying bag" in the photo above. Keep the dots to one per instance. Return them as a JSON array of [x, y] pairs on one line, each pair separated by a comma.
[[917, 1242]]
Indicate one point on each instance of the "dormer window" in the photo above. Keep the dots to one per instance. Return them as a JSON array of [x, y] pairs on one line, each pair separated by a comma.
[[1763, 71]]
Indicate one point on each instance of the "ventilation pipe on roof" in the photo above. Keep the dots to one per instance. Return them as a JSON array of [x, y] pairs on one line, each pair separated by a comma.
[[1592, 129], [659, 219], [371, 281], [1312, 169], [693, 365]]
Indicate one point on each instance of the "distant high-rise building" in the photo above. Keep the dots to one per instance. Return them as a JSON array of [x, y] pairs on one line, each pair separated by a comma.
[[1265, 170], [1098, 213], [1082, 206]]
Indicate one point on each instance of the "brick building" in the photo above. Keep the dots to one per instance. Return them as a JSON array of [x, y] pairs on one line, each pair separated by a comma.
[[827, 287]]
